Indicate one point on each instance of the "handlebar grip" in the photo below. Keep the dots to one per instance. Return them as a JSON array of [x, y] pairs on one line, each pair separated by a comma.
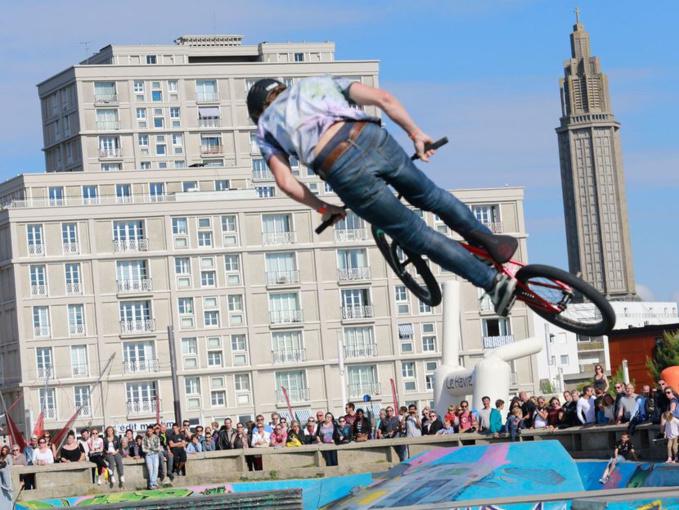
[[431, 146], [325, 224]]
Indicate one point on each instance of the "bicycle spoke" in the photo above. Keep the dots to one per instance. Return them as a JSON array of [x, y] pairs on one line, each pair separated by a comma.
[[550, 296]]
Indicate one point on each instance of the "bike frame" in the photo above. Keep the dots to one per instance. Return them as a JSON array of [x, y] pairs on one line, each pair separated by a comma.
[[524, 293]]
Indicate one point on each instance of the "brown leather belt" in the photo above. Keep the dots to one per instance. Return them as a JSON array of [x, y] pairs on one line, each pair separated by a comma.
[[323, 167]]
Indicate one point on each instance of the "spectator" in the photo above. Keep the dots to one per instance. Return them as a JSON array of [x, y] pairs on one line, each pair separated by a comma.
[[515, 423], [600, 381], [28, 450], [390, 428], [328, 433], [433, 425], [425, 416], [381, 416], [495, 421], [448, 428], [413, 423], [608, 408], [402, 415], [150, 445], [554, 413], [652, 413], [260, 437], [599, 416], [200, 433], [43, 455], [129, 444], [673, 400], [6, 477], [275, 420], [662, 402], [346, 432], [136, 450], [209, 443], [484, 415], [528, 408], [619, 393], [284, 424], [320, 416], [278, 437], [627, 405], [451, 416], [670, 427], [585, 409], [240, 440], [177, 443], [540, 415], [295, 437], [114, 458], [467, 422], [96, 445], [72, 450], [350, 417], [194, 445], [569, 417], [186, 431], [227, 434], [165, 457], [361, 429], [18, 459], [623, 447]]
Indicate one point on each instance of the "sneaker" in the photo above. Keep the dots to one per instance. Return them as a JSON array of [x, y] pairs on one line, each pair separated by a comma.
[[99, 480], [122, 479], [112, 479], [502, 294]]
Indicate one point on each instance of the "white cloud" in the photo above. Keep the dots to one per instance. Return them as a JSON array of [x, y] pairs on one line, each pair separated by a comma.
[[645, 293]]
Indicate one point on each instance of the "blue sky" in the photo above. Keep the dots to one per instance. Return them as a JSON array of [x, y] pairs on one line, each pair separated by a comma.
[[485, 73]]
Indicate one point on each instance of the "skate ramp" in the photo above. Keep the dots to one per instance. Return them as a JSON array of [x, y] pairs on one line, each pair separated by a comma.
[[628, 475], [472, 472]]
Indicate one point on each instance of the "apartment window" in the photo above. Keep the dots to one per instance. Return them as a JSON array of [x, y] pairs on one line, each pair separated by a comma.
[[81, 399], [182, 268], [218, 398], [35, 240], [180, 232], [180, 163], [299, 57], [151, 59], [141, 118], [129, 236], [76, 320], [158, 118], [362, 380], [177, 143], [204, 232], [41, 321], [260, 170], [139, 357], [157, 191], [239, 350], [359, 342], [428, 337], [124, 193], [408, 373], [356, 304], [402, 305], [265, 191], [229, 230], [185, 307], [222, 185], [424, 308], [235, 305], [107, 119], [210, 144], [489, 215], [172, 86], [175, 117], [161, 148], [215, 356], [284, 308], [216, 382], [328, 189], [145, 165], [109, 146], [38, 275], [139, 91], [131, 275], [563, 358], [496, 327], [350, 228], [277, 229], [281, 268], [56, 196], [353, 264], [157, 95], [208, 278], [208, 116], [44, 362], [190, 352], [135, 316], [430, 370], [294, 382], [105, 91], [189, 186], [48, 402], [232, 268], [192, 385], [405, 335], [206, 90], [241, 385], [287, 346], [141, 397], [72, 274], [90, 195], [111, 167]]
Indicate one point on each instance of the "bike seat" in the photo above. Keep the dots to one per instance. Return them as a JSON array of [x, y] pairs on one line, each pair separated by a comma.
[[500, 247]]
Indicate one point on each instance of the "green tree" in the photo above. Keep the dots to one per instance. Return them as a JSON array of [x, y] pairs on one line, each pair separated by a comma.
[[665, 354]]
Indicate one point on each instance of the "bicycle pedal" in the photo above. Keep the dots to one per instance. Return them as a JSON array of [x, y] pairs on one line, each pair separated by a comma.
[[509, 306]]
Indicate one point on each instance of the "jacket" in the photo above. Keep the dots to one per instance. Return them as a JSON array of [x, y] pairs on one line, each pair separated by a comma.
[[226, 438]]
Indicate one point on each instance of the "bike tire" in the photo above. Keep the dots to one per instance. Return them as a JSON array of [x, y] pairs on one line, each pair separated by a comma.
[[605, 321], [430, 292]]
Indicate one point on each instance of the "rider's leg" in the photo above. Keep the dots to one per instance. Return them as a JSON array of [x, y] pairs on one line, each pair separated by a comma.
[[355, 177]]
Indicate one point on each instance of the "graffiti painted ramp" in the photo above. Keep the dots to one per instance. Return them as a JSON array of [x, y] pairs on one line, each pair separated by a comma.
[[471, 472]]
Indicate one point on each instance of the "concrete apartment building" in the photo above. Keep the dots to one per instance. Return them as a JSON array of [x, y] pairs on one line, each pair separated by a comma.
[[124, 236]]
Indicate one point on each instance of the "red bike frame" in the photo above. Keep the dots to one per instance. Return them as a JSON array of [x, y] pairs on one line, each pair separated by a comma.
[[524, 293]]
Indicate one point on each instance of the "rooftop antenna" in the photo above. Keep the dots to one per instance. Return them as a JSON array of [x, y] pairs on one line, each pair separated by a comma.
[[577, 15], [86, 47]]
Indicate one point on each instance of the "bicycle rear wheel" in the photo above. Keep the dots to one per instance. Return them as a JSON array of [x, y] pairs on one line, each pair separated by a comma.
[[427, 291], [565, 300]]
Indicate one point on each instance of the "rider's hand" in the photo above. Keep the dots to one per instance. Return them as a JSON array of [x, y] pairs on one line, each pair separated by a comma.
[[419, 139], [330, 210]]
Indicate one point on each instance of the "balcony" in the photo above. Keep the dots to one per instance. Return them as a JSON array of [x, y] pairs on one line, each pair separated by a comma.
[[351, 234], [140, 366], [36, 249], [130, 286], [57, 202], [211, 149], [356, 391], [41, 331], [288, 356], [113, 152], [137, 407], [360, 351], [76, 330], [353, 274], [295, 395], [108, 125], [38, 290], [357, 312], [262, 175], [286, 317], [274, 278], [80, 370], [495, 227], [74, 289], [71, 248], [100, 99], [45, 373], [126, 245], [124, 199], [137, 326], [491, 342], [207, 97], [278, 237], [590, 346], [210, 122]]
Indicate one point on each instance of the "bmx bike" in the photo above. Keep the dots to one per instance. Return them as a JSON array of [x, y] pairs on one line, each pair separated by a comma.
[[556, 295]]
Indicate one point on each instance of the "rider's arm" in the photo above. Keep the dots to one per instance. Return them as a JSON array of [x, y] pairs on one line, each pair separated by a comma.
[[365, 95]]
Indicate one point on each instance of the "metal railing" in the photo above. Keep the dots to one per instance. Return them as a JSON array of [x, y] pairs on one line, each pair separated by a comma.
[[366, 388], [123, 245], [495, 227], [39, 290], [140, 285], [76, 329], [73, 288], [357, 312], [71, 248], [282, 277], [124, 199], [80, 370], [278, 237], [210, 122], [105, 98], [41, 331], [57, 202], [85, 411], [351, 234], [141, 406], [294, 394], [113, 152], [108, 124], [36, 249], [286, 317], [137, 326], [288, 355], [211, 149], [137, 366], [491, 342], [353, 274], [360, 351], [207, 97]]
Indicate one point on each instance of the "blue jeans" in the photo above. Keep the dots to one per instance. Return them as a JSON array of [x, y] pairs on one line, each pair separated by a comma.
[[152, 463], [361, 177]]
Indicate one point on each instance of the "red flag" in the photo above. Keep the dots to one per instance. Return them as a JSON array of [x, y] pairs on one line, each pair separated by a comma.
[[39, 428], [287, 400], [60, 436], [14, 433], [394, 394], [9, 409]]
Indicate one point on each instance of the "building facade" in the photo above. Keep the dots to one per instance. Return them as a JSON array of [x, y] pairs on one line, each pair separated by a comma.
[[592, 178], [162, 214]]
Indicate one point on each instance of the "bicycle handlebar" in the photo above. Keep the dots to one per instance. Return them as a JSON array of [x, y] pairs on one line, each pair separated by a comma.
[[427, 147]]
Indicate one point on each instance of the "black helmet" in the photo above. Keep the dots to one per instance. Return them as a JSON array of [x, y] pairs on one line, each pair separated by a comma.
[[258, 94]]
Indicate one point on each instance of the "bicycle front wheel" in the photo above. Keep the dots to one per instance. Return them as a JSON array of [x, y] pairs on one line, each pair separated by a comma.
[[565, 300]]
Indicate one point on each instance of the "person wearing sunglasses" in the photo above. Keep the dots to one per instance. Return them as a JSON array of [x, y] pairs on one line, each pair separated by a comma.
[[43, 455]]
